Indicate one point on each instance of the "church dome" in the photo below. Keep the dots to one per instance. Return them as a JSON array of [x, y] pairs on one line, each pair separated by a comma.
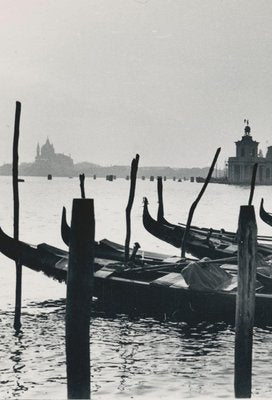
[[47, 150]]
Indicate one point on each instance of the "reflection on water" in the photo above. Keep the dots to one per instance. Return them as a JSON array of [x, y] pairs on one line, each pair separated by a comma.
[[133, 355], [130, 356]]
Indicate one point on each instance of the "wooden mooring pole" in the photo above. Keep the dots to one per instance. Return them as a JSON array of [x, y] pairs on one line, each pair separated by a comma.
[[133, 177], [195, 203], [15, 162], [160, 215], [79, 297], [252, 185], [82, 188], [245, 301]]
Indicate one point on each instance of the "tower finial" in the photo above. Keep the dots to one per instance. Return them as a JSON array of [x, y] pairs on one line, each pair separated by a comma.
[[247, 127]]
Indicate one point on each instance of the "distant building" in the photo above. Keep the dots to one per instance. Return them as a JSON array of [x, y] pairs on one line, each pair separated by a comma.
[[240, 167], [49, 162]]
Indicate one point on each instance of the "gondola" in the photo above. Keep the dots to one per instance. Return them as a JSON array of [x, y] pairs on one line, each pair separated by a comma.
[[264, 215], [111, 250], [163, 290], [200, 243]]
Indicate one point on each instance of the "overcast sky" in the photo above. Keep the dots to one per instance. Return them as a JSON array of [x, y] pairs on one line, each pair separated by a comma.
[[104, 79]]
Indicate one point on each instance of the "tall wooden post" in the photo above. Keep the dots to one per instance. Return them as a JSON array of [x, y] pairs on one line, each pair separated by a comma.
[[15, 162], [160, 215], [79, 297], [195, 203], [133, 177], [245, 302], [82, 188], [252, 185]]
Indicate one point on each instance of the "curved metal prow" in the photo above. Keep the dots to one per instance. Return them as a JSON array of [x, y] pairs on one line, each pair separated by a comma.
[[265, 216], [65, 228]]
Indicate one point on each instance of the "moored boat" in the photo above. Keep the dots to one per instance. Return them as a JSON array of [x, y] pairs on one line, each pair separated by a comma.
[[200, 243], [108, 249], [162, 289]]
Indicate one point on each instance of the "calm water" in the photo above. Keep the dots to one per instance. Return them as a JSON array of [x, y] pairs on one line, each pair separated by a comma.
[[132, 357]]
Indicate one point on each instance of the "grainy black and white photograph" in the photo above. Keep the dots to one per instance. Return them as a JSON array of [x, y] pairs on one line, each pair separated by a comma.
[[135, 199]]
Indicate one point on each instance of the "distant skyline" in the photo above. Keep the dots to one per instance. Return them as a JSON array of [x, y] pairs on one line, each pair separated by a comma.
[[171, 80]]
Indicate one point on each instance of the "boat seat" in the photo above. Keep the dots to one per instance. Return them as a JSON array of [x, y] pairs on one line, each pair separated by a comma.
[[108, 270], [232, 249], [104, 273], [174, 279], [62, 264]]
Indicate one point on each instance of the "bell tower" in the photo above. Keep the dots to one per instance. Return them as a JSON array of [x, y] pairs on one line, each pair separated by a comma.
[[247, 148]]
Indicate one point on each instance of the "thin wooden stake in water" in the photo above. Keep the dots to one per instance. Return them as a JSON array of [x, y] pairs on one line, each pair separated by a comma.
[[245, 301], [15, 161], [193, 206], [252, 186], [78, 301], [160, 216], [82, 188], [133, 177]]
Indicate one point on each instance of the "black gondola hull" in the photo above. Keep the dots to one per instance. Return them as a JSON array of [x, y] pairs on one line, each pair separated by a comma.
[[197, 244], [139, 289]]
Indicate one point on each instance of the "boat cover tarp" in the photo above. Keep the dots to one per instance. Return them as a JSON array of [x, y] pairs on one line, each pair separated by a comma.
[[208, 276]]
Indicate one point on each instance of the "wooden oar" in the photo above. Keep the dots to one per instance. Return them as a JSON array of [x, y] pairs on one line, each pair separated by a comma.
[[196, 228], [183, 263], [225, 235]]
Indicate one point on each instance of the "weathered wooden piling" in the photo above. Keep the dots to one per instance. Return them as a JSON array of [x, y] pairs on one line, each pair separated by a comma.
[[127, 178], [195, 203], [151, 178], [174, 178], [82, 188], [143, 178], [192, 179], [252, 185], [15, 161], [94, 177], [133, 177], [164, 178], [49, 177], [79, 297], [160, 215], [245, 301]]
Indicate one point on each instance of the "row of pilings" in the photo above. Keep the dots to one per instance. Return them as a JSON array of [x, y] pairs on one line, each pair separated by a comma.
[[111, 178]]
